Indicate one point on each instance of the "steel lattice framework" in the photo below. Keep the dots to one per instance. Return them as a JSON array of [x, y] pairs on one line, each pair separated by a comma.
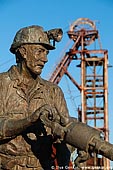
[[94, 78]]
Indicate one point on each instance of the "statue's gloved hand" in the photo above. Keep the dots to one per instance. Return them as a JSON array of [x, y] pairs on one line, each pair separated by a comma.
[[58, 117], [51, 113], [58, 130], [43, 110], [52, 120]]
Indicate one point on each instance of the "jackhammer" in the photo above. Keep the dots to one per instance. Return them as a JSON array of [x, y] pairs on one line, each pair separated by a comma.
[[81, 136]]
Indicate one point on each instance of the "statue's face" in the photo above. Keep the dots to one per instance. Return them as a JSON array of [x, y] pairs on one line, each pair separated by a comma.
[[36, 57]]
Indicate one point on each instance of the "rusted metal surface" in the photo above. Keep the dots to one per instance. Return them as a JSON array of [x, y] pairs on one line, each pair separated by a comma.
[[94, 83]]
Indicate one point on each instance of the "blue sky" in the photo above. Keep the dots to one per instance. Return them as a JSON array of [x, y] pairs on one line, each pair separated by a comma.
[[51, 14]]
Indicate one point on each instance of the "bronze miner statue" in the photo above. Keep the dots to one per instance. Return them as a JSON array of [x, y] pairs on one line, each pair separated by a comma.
[[34, 118]]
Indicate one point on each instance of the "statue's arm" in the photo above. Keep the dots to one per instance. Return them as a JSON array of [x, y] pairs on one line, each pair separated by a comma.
[[9, 127]]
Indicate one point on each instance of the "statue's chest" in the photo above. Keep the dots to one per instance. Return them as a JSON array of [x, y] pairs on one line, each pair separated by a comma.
[[21, 102]]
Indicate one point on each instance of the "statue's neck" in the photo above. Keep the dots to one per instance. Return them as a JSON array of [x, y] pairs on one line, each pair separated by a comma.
[[26, 73]]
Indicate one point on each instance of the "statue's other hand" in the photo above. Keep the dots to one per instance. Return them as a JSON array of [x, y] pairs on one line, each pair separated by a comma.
[[58, 116]]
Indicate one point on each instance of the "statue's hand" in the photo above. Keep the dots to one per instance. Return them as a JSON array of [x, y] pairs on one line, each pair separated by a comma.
[[52, 120], [43, 110], [58, 130], [58, 117]]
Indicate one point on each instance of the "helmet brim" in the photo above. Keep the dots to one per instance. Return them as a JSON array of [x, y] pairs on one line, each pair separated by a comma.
[[14, 47], [47, 46]]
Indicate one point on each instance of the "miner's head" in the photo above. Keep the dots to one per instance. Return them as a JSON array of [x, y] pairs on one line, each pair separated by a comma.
[[32, 44]]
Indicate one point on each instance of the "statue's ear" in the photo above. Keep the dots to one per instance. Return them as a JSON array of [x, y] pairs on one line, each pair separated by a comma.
[[23, 51]]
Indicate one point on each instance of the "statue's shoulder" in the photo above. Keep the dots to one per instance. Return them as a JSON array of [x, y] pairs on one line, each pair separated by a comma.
[[51, 85], [3, 75], [48, 83]]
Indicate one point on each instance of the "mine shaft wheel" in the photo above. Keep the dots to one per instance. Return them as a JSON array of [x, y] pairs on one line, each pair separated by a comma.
[[86, 25]]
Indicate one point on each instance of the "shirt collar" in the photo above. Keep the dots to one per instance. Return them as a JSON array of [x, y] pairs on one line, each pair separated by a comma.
[[15, 76]]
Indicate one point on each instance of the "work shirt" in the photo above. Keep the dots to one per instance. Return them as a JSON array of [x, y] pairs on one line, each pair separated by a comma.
[[18, 100]]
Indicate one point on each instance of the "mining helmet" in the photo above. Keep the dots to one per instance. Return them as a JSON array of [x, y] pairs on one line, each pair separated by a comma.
[[31, 35]]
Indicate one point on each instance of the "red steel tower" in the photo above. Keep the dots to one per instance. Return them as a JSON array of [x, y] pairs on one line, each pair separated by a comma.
[[93, 88]]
